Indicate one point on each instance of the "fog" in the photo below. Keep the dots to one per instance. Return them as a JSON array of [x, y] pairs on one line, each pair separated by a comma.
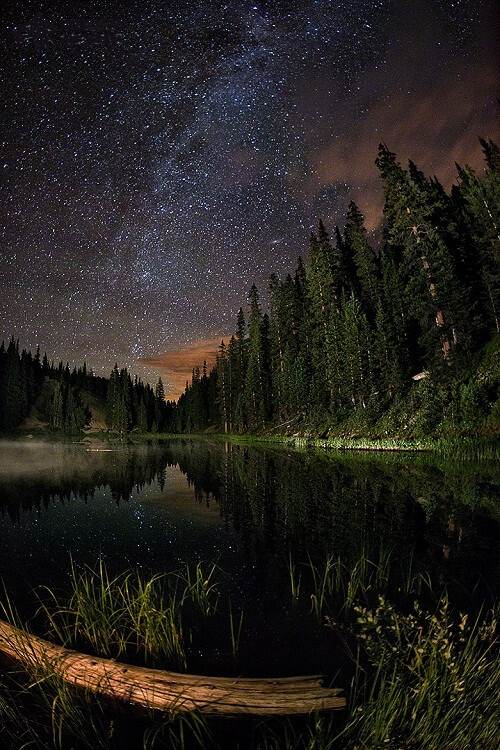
[[36, 457]]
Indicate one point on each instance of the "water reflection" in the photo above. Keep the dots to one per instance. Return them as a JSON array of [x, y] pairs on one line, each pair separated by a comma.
[[147, 504]]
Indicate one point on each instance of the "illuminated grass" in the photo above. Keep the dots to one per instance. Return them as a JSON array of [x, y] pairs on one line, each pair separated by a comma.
[[426, 679]]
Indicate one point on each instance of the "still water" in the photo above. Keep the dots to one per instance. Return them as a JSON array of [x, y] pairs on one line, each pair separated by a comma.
[[156, 507]]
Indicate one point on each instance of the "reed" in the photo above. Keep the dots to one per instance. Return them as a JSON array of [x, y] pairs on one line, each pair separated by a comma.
[[43, 712], [181, 730], [319, 734], [154, 620], [337, 586], [39, 710], [200, 588], [295, 578], [235, 631], [463, 447], [422, 679], [121, 617]]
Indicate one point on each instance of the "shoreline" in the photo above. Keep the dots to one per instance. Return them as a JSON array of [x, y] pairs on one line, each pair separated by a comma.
[[466, 446]]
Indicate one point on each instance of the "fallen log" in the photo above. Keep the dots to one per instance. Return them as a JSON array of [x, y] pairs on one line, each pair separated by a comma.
[[169, 691]]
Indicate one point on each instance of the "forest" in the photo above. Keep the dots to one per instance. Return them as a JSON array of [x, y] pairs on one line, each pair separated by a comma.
[[64, 401], [359, 333], [397, 339]]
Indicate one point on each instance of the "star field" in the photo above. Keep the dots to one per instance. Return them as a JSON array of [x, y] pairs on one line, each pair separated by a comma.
[[160, 157]]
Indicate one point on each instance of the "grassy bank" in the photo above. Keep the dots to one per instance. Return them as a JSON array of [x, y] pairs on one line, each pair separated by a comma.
[[423, 677], [480, 447], [474, 448]]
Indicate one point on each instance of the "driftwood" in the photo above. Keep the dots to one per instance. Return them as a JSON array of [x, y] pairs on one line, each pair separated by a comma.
[[169, 691]]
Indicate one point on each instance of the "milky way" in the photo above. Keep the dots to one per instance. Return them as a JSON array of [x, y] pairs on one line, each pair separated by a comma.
[[159, 158]]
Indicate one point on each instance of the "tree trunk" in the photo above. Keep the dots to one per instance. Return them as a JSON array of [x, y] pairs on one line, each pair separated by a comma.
[[169, 691]]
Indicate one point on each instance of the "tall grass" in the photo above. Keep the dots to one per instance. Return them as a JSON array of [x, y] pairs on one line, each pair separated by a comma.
[[235, 630], [426, 679], [130, 616], [41, 711], [433, 681], [122, 617], [319, 734], [337, 586], [295, 578], [200, 588], [464, 447]]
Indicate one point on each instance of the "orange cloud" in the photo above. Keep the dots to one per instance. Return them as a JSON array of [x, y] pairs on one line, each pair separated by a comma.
[[176, 367], [435, 130]]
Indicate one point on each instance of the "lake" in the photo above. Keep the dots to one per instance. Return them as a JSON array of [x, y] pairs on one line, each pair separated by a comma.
[[251, 510]]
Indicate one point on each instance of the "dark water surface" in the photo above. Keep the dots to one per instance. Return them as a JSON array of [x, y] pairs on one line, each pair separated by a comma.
[[157, 507]]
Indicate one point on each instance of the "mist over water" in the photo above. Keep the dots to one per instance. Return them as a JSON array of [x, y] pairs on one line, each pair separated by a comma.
[[38, 457]]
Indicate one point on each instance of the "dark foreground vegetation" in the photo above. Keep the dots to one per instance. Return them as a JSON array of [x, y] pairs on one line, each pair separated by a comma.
[[419, 676], [320, 536]]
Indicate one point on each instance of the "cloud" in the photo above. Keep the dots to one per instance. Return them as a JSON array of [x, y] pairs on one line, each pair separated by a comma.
[[176, 367], [435, 129]]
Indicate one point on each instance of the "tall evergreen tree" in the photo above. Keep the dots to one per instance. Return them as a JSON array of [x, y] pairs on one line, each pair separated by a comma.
[[223, 386], [254, 382], [479, 201], [364, 260], [424, 262], [356, 353], [323, 316]]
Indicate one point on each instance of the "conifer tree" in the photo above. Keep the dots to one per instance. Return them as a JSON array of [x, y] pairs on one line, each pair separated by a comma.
[[479, 200], [240, 416], [364, 260], [392, 349], [14, 402], [142, 421], [266, 369], [254, 384], [424, 262], [356, 353], [112, 399], [159, 405], [277, 346], [323, 310], [56, 410], [223, 386]]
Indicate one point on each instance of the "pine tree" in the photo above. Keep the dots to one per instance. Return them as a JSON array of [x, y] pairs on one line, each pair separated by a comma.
[[277, 347], [266, 369], [323, 309], [223, 386], [14, 402], [112, 399], [56, 410], [424, 262], [254, 384], [356, 353], [142, 421], [364, 260], [159, 405], [392, 349], [479, 202]]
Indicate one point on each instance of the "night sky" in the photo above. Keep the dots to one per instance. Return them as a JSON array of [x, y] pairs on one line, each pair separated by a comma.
[[160, 157]]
